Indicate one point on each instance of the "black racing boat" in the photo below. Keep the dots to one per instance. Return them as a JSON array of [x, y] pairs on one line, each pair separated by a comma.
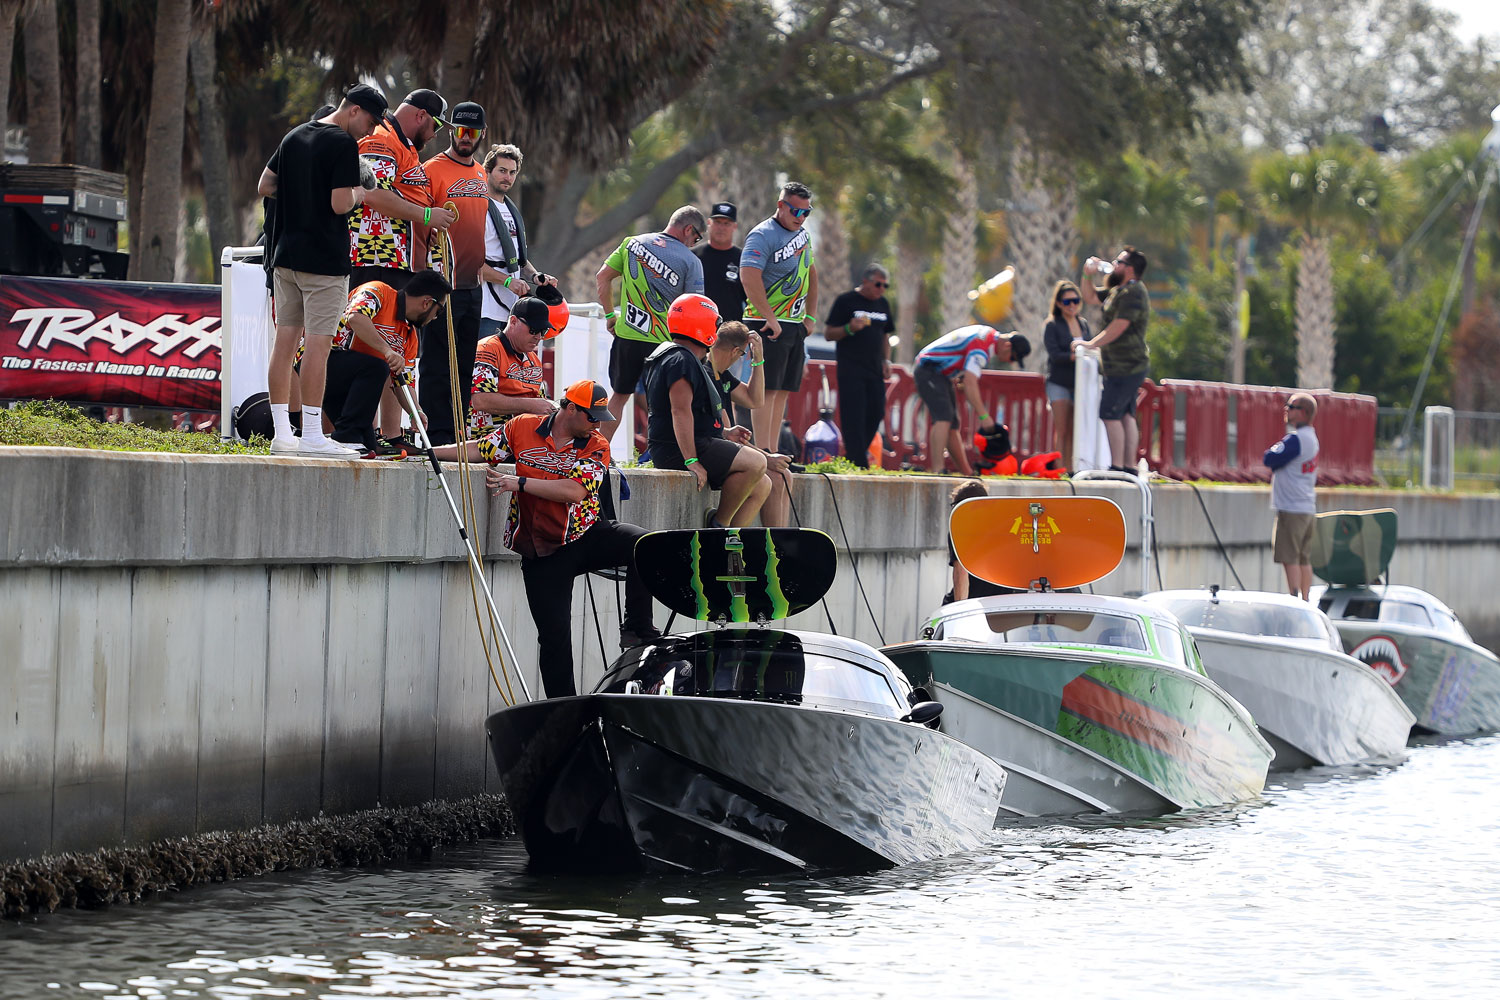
[[741, 749]]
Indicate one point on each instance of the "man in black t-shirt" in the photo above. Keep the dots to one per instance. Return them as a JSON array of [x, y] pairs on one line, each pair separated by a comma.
[[721, 262], [860, 323], [685, 420], [314, 176]]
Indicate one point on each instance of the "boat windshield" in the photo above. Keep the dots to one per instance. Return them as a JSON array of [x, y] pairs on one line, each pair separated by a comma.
[[1067, 628], [760, 665], [1249, 619], [1385, 609]]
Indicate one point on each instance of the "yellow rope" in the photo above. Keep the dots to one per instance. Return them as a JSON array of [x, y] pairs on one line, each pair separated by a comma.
[[466, 495]]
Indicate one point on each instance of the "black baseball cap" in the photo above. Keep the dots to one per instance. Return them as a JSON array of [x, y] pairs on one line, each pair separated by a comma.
[[431, 102], [534, 313], [367, 97], [724, 210], [467, 115], [1019, 347]]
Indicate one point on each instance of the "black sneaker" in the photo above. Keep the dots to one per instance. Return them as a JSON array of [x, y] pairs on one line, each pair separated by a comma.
[[391, 448], [630, 638]]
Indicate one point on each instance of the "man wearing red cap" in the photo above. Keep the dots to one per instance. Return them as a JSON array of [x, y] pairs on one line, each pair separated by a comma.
[[553, 521]]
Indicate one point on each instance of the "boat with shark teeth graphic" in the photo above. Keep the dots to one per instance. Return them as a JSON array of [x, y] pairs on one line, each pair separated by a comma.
[[1092, 703], [1406, 635]]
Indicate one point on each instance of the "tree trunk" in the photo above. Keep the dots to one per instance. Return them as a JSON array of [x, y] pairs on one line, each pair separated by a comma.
[[456, 70], [88, 119], [1314, 315], [8, 11], [153, 256], [961, 248], [43, 84], [835, 274], [908, 280], [213, 147], [1043, 236], [1238, 327]]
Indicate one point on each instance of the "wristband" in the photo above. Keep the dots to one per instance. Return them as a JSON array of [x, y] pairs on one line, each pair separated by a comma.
[[507, 281], [688, 461], [984, 418], [520, 484], [757, 364], [427, 216], [610, 314]]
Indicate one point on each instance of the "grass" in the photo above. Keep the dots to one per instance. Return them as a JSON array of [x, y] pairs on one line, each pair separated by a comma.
[[50, 424]]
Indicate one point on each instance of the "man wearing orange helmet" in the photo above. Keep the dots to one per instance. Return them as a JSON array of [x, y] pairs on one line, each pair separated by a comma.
[[685, 417], [508, 379]]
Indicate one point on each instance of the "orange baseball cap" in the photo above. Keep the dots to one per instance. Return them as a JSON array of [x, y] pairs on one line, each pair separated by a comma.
[[589, 396]]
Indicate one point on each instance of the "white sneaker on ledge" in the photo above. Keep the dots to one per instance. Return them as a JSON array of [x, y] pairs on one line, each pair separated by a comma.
[[326, 448], [286, 446]]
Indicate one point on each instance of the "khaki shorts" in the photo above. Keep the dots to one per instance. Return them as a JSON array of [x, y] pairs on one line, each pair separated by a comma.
[[312, 301], [1291, 538]]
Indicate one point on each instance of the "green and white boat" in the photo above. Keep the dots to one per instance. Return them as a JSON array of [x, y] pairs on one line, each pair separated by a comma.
[[1406, 635], [1092, 703]]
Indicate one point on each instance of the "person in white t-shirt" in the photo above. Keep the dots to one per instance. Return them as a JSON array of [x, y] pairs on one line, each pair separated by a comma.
[[506, 274], [1293, 462]]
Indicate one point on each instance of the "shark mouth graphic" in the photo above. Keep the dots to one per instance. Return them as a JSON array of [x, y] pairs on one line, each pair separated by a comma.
[[1380, 654]]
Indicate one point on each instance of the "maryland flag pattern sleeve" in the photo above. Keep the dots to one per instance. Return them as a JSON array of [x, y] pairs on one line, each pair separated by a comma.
[[499, 370], [385, 309], [535, 527], [377, 240]]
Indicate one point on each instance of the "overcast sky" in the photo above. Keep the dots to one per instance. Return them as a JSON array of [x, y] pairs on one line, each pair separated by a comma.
[[1479, 17]]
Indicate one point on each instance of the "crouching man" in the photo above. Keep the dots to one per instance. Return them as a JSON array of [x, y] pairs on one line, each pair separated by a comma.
[[685, 419], [553, 522]]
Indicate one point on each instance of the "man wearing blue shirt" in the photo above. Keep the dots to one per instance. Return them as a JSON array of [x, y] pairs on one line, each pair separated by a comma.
[[1294, 472]]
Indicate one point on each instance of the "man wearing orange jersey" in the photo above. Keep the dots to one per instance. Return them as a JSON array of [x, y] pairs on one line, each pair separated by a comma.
[[553, 521], [377, 341], [454, 178]]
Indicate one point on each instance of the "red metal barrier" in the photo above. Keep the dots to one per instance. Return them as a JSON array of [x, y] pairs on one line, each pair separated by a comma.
[[1209, 430]]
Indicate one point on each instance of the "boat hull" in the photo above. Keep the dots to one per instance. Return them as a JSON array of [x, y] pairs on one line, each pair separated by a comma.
[[622, 782], [1315, 706], [1170, 738], [1452, 688]]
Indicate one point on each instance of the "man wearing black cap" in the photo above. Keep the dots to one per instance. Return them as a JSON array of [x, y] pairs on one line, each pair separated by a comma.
[[315, 177], [553, 521], [721, 262], [382, 243], [454, 179]]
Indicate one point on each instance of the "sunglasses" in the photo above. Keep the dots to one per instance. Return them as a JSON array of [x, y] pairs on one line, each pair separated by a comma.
[[881, 284], [695, 234], [1292, 406], [463, 132], [1072, 301], [798, 213]]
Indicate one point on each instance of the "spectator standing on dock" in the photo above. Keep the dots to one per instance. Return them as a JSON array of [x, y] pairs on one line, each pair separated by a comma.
[[956, 359], [1294, 472], [314, 175], [721, 262], [654, 270], [377, 342], [508, 273], [859, 324], [454, 178], [1122, 347], [1066, 327], [553, 521], [686, 422], [781, 291]]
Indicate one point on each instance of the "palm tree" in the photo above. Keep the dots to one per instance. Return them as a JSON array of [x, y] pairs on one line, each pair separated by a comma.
[[1339, 189], [1042, 221], [88, 118], [960, 254], [43, 83], [8, 11], [154, 258]]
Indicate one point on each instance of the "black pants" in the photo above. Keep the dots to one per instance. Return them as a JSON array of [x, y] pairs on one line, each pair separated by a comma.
[[352, 396], [434, 387], [396, 277], [549, 592], [861, 408]]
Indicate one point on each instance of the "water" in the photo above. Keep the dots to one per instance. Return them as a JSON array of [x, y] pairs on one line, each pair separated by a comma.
[[1373, 881]]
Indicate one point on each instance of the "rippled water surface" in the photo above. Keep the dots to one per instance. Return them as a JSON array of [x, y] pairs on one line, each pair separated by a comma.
[[1365, 881]]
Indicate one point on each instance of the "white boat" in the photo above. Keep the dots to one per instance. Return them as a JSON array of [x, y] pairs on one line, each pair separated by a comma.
[[1284, 660]]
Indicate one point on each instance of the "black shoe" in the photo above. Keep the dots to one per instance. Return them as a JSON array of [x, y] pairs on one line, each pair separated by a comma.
[[391, 448], [631, 637]]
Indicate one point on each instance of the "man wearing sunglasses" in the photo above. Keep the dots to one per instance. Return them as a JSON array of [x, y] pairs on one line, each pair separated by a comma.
[[781, 290], [454, 178], [1122, 348], [1294, 473], [553, 521], [859, 324]]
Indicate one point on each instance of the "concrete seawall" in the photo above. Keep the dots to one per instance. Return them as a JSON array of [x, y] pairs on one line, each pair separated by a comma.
[[193, 643]]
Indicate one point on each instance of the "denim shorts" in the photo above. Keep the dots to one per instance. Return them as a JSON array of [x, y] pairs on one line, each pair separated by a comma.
[[1056, 393]]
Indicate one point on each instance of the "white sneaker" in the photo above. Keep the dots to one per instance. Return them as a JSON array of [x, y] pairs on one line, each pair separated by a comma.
[[286, 446], [326, 448]]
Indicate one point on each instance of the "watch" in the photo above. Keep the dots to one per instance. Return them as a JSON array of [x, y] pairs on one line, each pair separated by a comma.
[[521, 484]]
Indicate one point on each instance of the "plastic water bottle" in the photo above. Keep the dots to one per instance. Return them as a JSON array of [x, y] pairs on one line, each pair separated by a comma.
[[1103, 266]]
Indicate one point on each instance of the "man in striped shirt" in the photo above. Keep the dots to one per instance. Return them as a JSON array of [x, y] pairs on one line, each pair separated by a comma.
[[958, 358]]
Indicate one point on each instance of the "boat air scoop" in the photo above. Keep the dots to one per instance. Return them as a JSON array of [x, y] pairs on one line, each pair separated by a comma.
[[1026, 544], [737, 575]]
